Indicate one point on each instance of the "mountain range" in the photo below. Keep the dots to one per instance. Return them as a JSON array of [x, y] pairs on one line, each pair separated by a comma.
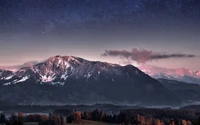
[[181, 74], [73, 80]]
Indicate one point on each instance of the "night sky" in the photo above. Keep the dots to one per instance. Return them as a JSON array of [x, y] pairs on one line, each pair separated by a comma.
[[164, 33]]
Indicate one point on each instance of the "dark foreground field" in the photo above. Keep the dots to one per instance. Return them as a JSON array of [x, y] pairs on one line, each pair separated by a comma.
[[87, 122], [99, 115], [83, 122]]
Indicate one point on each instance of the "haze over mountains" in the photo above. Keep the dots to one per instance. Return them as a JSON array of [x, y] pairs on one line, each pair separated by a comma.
[[17, 67]]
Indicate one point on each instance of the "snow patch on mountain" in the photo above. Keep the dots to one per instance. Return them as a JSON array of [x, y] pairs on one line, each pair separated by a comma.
[[22, 80], [58, 83], [46, 78], [65, 75], [9, 77], [5, 84], [88, 75]]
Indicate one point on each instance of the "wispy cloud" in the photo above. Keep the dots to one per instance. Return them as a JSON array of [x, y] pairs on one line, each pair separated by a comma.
[[16, 67], [143, 56]]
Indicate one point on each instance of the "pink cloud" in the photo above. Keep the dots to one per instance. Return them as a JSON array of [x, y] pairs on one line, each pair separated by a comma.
[[143, 56]]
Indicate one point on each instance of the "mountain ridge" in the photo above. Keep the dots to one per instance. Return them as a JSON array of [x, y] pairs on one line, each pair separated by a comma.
[[181, 74], [188, 93], [67, 79]]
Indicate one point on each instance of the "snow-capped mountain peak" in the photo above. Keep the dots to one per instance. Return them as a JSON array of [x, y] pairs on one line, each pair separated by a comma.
[[57, 69], [181, 74], [198, 73]]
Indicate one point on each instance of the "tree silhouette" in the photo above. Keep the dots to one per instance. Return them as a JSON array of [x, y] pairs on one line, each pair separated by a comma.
[[76, 117]]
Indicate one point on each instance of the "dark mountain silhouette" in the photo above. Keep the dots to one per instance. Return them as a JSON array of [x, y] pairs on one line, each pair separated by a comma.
[[188, 93]]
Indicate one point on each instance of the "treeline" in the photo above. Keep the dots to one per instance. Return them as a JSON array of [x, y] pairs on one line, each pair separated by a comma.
[[139, 117], [20, 119], [125, 117], [132, 119], [165, 113]]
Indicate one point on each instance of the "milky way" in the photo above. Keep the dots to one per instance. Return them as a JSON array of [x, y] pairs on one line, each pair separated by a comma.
[[35, 17], [99, 25]]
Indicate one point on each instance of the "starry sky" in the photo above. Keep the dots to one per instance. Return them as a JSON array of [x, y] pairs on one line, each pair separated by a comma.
[[93, 29]]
